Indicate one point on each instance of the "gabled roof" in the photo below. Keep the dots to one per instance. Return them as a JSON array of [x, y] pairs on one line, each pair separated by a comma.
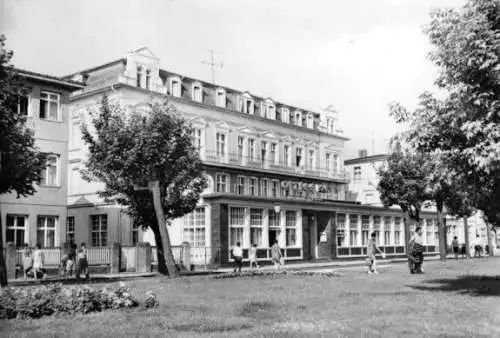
[[70, 84], [367, 159]]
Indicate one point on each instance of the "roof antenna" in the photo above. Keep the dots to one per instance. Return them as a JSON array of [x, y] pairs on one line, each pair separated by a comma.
[[212, 64]]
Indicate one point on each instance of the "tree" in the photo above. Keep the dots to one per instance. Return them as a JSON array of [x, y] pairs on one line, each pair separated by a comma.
[[20, 161], [148, 164], [464, 125], [402, 182]]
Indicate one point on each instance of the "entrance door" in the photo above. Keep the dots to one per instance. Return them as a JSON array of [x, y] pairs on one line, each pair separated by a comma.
[[313, 236]]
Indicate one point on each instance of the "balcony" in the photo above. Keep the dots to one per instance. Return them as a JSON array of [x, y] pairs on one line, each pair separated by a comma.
[[237, 161], [257, 193]]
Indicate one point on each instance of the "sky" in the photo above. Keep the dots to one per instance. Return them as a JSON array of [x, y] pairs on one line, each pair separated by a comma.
[[356, 55]]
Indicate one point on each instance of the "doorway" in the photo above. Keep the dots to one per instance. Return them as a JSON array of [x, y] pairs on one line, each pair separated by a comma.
[[310, 224]]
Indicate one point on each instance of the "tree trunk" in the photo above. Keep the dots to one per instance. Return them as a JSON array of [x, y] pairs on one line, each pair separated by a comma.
[[441, 232], [466, 237], [489, 229], [162, 226], [162, 266], [3, 269]]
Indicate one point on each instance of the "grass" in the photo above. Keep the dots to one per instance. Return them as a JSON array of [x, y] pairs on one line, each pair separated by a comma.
[[454, 299]]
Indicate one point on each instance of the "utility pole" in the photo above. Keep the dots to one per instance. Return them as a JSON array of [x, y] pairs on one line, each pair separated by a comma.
[[212, 64]]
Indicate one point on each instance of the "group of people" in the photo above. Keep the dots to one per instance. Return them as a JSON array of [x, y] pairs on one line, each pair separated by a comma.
[[415, 253], [237, 255], [33, 263]]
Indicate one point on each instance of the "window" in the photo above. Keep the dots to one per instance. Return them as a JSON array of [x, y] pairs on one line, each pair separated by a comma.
[[17, 231], [328, 160], [274, 154], [376, 229], [197, 93], [335, 163], [256, 227], [270, 111], [304, 119], [312, 159], [49, 106], [99, 230], [221, 182], [50, 172], [365, 226], [298, 119], [23, 105], [220, 100], [298, 157], [353, 226], [46, 231], [221, 145], [148, 78], [310, 121], [247, 106], [274, 227], [241, 140], [286, 155], [139, 76], [70, 230], [263, 150], [357, 173], [340, 230], [252, 186], [241, 185], [291, 228], [236, 223], [175, 88], [397, 230], [263, 187], [196, 133], [134, 235], [285, 115], [275, 189], [251, 148], [387, 230], [194, 227]]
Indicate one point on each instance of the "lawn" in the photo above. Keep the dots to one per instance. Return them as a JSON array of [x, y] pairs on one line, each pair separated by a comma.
[[455, 299]]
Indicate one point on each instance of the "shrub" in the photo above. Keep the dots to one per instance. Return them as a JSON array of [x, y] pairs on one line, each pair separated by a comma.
[[51, 299]]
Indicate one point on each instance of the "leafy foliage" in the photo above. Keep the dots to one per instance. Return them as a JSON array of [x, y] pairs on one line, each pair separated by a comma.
[[463, 128], [20, 162], [131, 150], [25, 303]]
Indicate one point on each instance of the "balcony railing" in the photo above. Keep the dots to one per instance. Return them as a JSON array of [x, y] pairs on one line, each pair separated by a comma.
[[268, 165]]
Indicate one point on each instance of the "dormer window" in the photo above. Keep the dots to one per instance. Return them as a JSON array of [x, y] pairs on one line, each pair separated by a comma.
[[148, 78], [197, 94], [246, 105], [285, 115], [298, 118], [304, 120], [175, 87], [220, 100], [139, 76], [310, 121], [269, 110]]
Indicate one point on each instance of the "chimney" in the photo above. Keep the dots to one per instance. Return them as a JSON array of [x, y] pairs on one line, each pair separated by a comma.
[[363, 153]]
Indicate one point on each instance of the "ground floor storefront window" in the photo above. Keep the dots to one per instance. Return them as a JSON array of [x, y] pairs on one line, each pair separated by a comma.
[[194, 227], [17, 230], [46, 231]]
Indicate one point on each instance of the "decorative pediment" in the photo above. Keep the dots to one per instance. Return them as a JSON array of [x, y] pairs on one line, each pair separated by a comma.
[[247, 95], [144, 51], [268, 100], [222, 125], [269, 135], [247, 130], [197, 121], [288, 139]]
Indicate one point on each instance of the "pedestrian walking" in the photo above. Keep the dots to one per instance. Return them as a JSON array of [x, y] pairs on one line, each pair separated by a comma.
[[83, 264], [371, 251], [456, 247], [276, 255], [27, 263], [253, 256], [238, 257], [38, 261], [416, 252]]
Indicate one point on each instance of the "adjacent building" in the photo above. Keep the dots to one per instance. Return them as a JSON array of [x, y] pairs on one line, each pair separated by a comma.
[[40, 218]]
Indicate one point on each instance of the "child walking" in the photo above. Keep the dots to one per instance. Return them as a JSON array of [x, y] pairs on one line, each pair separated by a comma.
[[253, 256], [371, 251]]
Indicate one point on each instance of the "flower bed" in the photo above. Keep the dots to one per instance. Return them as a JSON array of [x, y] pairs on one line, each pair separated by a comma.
[[328, 274], [24, 303]]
